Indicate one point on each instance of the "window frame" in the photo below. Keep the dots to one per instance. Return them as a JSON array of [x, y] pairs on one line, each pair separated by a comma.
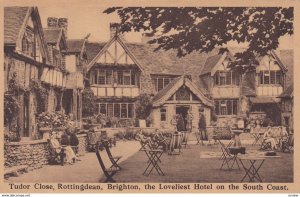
[[108, 110], [226, 78], [267, 75], [222, 107], [163, 112]]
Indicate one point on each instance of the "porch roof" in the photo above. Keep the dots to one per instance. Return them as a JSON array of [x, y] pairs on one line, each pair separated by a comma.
[[263, 100], [162, 96]]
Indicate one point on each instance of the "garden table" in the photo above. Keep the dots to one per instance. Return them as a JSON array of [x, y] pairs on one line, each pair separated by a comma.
[[237, 140], [154, 161], [234, 151], [251, 171]]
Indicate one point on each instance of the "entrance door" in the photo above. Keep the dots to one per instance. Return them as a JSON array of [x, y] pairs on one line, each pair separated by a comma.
[[183, 111]]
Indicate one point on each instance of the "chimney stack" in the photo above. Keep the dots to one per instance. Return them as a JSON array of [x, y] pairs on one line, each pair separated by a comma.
[[52, 22], [63, 23], [146, 38], [114, 30]]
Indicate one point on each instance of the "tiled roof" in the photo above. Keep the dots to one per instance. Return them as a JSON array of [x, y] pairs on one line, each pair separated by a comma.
[[288, 92], [166, 89], [92, 49], [286, 57], [75, 45], [210, 63], [51, 35], [13, 20]]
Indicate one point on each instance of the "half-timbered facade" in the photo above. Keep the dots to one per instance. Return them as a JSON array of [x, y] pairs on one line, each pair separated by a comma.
[[120, 71], [25, 57]]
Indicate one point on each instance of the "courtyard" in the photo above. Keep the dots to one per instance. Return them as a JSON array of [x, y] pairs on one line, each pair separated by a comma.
[[196, 163]]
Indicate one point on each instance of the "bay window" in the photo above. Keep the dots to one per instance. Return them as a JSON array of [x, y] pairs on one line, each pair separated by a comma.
[[270, 77], [226, 107]]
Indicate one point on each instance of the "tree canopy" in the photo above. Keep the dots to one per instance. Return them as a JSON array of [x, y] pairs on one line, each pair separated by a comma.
[[202, 29]]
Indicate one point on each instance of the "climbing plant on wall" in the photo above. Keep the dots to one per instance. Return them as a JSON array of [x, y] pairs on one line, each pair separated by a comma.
[[41, 95]]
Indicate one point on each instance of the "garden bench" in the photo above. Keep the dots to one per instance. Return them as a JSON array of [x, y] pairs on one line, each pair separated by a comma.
[[56, 153], [108, 172], [15, 170]]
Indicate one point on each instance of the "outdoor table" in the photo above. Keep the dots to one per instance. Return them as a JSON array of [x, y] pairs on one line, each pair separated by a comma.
[[237, 140], [251, 171], [154, 160]]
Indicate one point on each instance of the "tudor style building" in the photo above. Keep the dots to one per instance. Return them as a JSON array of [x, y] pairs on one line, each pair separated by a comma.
[[29, 60], [120, 71], [34, 55]]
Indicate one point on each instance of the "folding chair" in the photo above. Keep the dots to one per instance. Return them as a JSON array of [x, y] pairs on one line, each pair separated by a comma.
[[108, 172], [175, 144], [228, 158], [113, 159], [288, 145], [223, 146], [265, 145], [153, 160]]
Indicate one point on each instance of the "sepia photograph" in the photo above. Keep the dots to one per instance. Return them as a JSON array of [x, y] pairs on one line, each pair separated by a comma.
[[103, 94]]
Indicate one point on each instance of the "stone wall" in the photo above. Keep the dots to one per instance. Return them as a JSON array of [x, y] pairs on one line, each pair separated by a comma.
[[34, 154]]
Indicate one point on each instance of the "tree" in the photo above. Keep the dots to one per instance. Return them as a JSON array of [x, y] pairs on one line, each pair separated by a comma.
[[88, 103], [189, 29]]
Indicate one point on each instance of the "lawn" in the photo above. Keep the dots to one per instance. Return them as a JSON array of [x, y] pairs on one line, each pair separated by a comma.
[[186, 167]]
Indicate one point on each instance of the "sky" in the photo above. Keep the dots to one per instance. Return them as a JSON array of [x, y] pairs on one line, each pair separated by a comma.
[[89, 18]]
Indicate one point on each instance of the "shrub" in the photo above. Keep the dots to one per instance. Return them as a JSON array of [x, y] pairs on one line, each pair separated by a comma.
[[143, 106], [88, 103]]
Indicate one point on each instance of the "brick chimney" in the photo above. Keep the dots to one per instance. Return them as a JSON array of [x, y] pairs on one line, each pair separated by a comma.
[[114, 30], [63, 23], [52, 22]]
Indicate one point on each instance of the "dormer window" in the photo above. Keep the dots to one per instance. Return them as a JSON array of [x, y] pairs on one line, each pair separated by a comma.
[[270, 77], [226, 78]]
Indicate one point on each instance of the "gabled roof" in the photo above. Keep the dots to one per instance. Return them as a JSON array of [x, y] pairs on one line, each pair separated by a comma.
[[107, 45], [210, 63], [287, 58], [54, 36], [288, 92], [14, 18], [92, 49], [15, 21], [278, 60], [162, 96], [75, 45]]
